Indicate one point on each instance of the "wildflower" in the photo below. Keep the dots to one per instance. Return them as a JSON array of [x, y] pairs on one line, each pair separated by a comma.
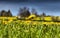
[[34, 23], [5, 22], [27, 22], [10, 20]]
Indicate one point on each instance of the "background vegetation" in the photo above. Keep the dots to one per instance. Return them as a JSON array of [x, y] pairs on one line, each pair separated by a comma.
[[20, 29]]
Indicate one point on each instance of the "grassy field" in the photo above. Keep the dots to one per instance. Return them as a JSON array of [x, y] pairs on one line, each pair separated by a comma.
[[29, 29]]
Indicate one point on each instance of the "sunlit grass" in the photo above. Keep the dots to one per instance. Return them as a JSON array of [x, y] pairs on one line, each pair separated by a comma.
[[29, 29]]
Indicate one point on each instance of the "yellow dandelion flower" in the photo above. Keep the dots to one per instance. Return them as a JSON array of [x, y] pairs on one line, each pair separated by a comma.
[[34, 23], [10, 20], [27, 21], [5, 22]]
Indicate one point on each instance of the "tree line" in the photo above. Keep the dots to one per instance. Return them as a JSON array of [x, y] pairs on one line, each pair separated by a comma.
[[23, 12], [4, 13]]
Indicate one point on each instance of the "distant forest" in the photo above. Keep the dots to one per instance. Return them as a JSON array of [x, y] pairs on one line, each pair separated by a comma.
[[23, 12]]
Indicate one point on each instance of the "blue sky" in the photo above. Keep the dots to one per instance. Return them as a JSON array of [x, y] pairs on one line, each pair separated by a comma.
[[50, 8]]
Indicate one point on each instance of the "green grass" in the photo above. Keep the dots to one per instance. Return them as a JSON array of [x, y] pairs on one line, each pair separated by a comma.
[[21, 30]]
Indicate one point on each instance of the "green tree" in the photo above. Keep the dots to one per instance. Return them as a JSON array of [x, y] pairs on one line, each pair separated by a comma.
[[3, 13], [34, 12], [24, 12], [9, 13]]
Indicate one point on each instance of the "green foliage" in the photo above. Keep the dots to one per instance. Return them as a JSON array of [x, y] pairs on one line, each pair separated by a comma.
[[4, 13], [21, 30], [24, 12]]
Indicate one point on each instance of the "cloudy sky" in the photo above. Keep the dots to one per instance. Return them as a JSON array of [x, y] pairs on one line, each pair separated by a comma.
[[50, 7]]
